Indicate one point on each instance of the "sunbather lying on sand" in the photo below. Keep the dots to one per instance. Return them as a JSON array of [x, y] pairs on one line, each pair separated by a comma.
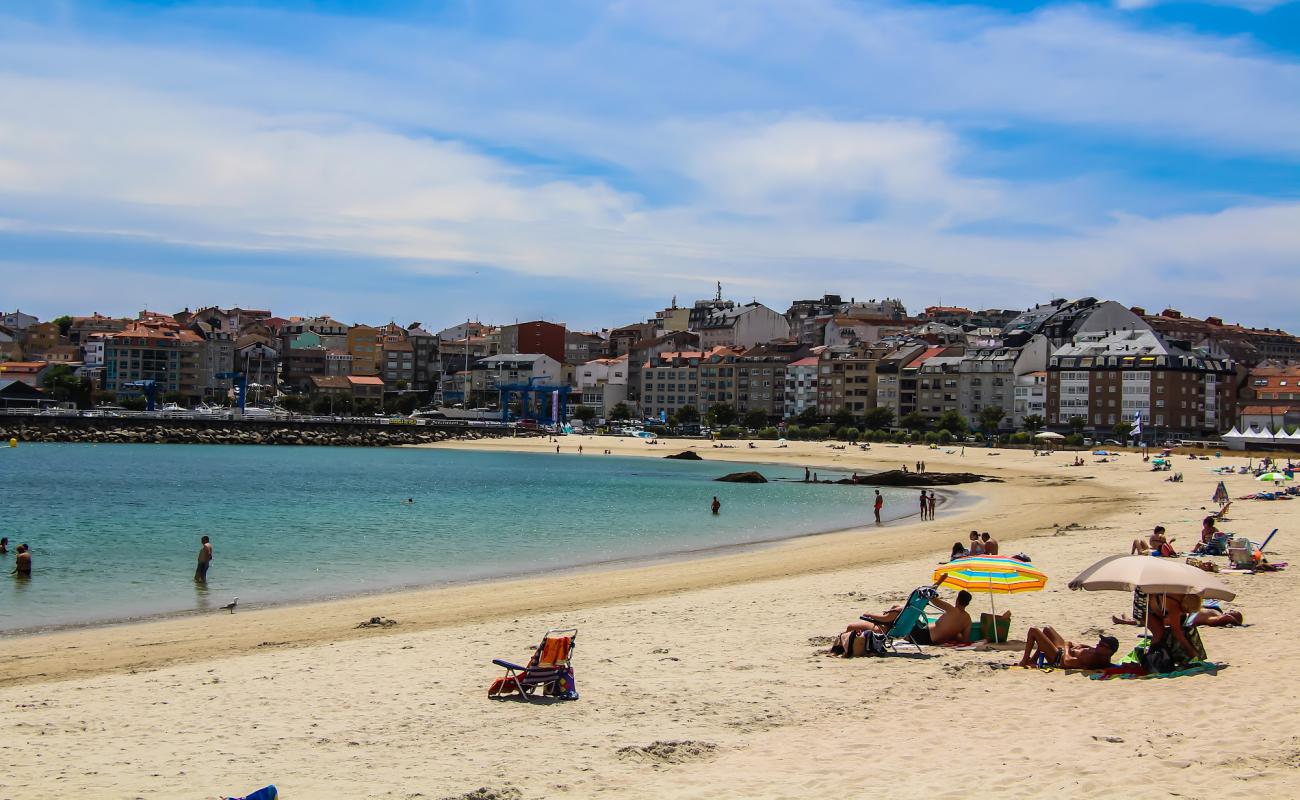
[[952, 626], [1214, 618], [1067, 655]]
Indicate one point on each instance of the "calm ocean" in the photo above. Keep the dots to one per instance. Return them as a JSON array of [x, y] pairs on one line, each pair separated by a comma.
[[114, 529]]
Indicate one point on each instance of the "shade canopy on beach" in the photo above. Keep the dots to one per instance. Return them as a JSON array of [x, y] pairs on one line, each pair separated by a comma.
[[993, 574], [1275, 477], [1152, 575], [1048, 435]]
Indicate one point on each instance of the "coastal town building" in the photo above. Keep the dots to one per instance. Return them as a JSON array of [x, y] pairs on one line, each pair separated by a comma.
[[1106, 378], [300, 364], [955, 316], [82, 328], [847, 377], [801, 386], [938, 386], [602, 384], [363, 344], [40, 338], [397, 363], [366, 387], [17, 321], [672, 319], [1030, 398], [538, 336], [145, 351], [1247, 346], [31, 373], [849, 330], [671, 380], [338, 363], [622, 340], [742, 327], [581, 347], [987, 377], [428, 365], [645, 350]]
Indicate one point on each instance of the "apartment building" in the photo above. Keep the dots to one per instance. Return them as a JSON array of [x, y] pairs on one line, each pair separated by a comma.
[[1107, 378], [847, 378], [670, 380], [742, 327], [988, 377], [801, 385], [1030, 398], [538, 336], [363, 342], [602, 384]]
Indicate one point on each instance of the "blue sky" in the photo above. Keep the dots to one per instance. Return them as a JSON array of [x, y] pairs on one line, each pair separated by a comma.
[[587, 161]]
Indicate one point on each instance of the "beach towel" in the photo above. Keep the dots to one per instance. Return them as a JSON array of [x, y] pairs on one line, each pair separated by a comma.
[[1132, 671], [265, 793], [554, 650]]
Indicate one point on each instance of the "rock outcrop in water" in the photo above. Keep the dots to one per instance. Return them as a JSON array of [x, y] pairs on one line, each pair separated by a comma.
[[897, 477], [742, 477], [686, 455]]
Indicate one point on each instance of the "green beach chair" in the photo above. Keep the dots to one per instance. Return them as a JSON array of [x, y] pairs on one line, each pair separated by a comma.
[[905, 625]]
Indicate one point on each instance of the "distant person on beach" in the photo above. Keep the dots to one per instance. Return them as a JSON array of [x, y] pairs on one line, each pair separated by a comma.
[[880, 503], [557, 447], [806, 474], [579, 449], [205, 559], [958, 551], [976, 547], [989, 543], [1157, 544], [1066, 655], [934, 502], [717, 505], [925, 505], [4, 545], [23, 562]]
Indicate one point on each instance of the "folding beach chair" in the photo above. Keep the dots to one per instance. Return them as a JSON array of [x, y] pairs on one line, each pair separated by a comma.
[[549, 669], [912, 615]]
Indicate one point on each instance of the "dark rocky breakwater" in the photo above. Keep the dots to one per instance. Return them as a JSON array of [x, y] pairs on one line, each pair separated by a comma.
[[188, 431]]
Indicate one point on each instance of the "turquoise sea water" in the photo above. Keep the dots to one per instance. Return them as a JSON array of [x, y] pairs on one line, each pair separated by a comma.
[[114, 529]]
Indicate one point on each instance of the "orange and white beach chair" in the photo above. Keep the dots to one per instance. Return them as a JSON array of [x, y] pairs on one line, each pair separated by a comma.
[[550, 669]]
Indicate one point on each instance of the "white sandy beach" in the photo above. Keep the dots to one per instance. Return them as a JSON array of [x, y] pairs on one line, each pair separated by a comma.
[[711, 650]]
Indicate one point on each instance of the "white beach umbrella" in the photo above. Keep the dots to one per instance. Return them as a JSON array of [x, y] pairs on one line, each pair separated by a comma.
[[1152, 575], [1048, 435]]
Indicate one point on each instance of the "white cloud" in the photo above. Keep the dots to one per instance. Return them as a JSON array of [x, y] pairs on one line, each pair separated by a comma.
[[1256, 6], [775, 146]]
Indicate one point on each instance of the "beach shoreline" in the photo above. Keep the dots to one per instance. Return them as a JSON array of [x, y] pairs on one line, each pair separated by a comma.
[[721, 652], [755, 561]]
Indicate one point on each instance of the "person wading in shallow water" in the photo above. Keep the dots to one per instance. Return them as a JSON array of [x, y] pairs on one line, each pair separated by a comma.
[[717, 505], [880, 503], [205, 559]]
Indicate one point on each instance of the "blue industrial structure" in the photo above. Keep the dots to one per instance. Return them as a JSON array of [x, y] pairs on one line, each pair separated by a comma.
[[542, 392], [150, 390], [241, 386]]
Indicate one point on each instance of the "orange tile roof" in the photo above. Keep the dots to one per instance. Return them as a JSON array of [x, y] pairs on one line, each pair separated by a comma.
[[365, 380]]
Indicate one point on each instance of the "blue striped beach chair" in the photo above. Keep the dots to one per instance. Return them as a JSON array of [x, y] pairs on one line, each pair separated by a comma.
[[549, 669]]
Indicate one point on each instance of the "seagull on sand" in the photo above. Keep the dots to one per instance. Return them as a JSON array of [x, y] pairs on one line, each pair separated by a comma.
[[232, 605]]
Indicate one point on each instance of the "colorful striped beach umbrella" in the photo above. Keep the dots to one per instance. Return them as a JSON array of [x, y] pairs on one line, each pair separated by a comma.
[[992, 574]]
